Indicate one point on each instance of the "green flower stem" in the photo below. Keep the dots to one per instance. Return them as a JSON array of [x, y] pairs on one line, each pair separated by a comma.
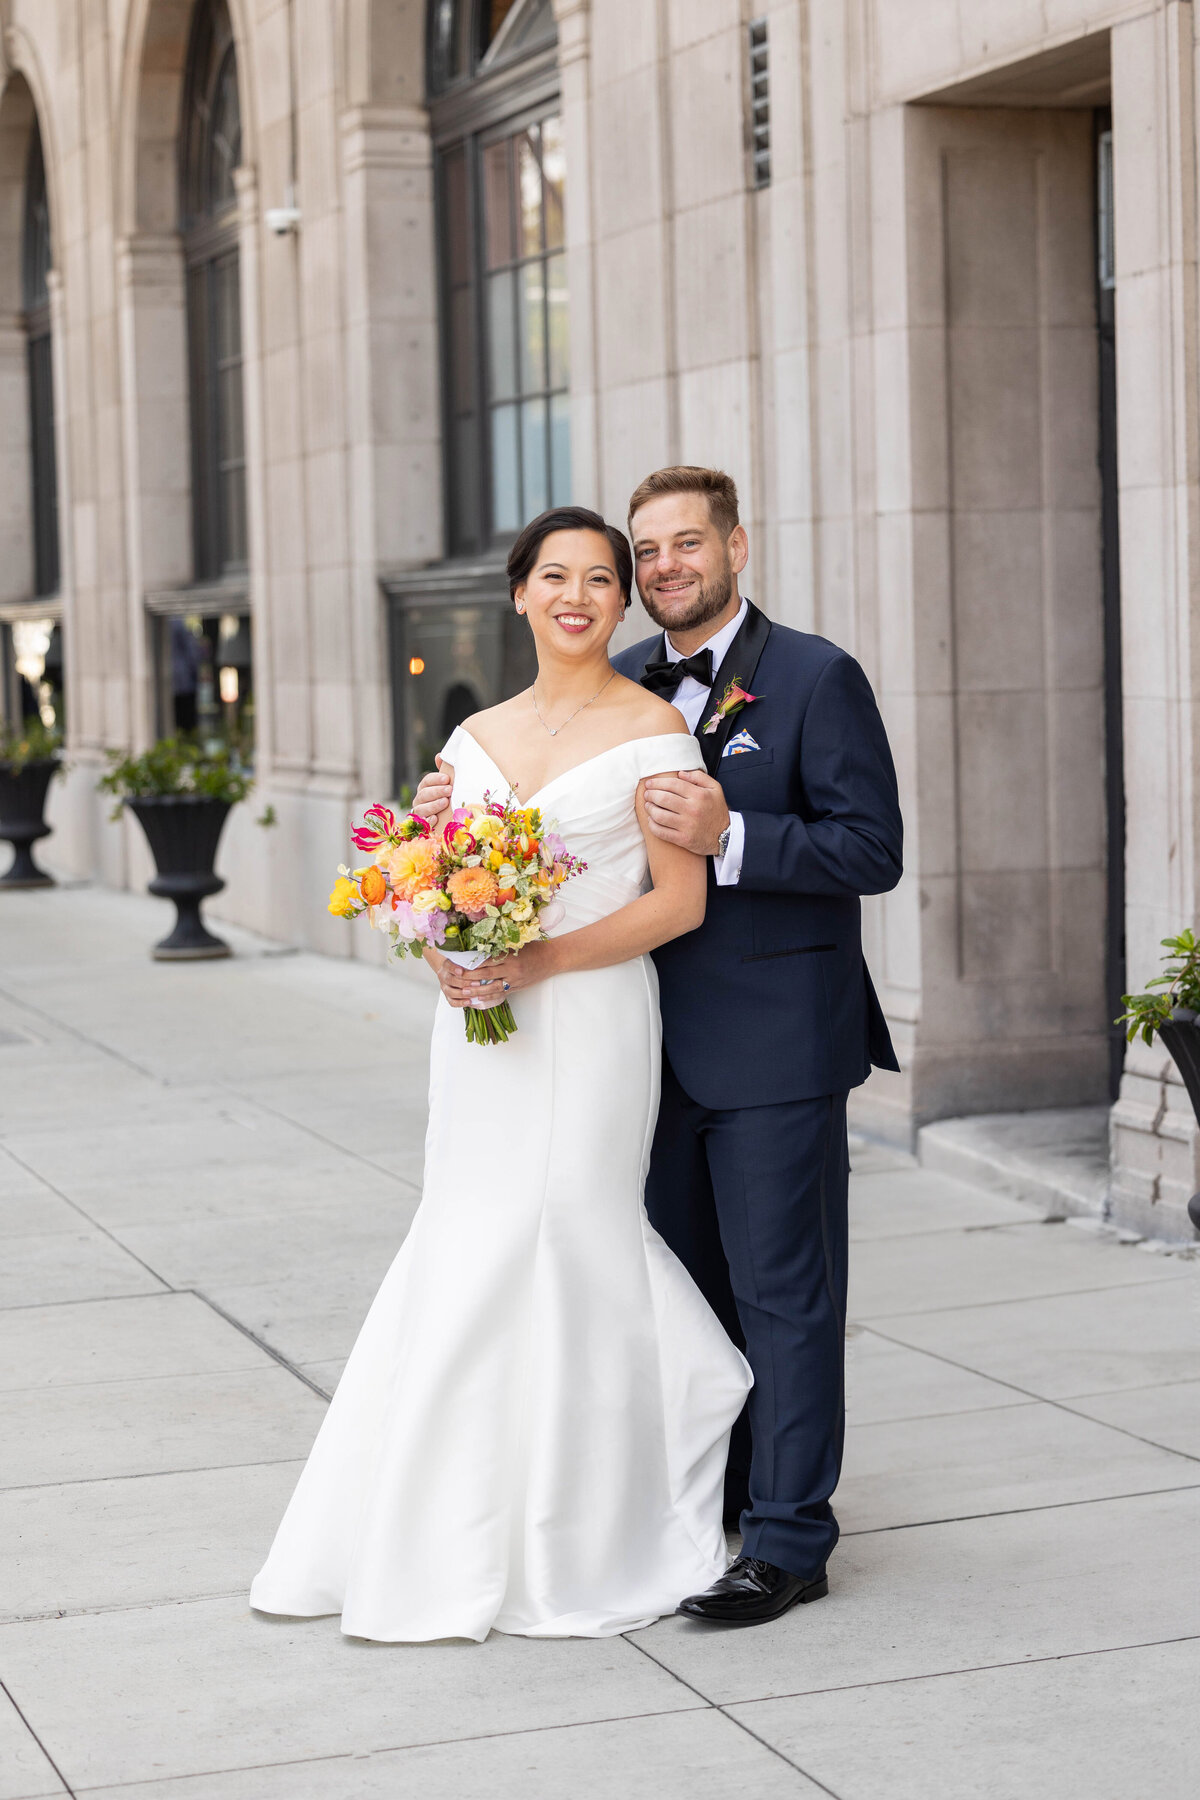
[[493, 1026]]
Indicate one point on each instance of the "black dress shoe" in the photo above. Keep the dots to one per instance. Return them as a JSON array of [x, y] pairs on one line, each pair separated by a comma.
[[750, 1592]]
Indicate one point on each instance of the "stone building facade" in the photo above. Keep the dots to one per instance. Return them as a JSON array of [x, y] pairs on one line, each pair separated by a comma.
[[304, 304]]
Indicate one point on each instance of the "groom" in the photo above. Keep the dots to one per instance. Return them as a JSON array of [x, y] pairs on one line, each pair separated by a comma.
[[769, 1015]]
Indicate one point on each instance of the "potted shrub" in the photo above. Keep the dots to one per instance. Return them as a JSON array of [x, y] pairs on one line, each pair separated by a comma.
[[1173, 1015], [30, 757], [181, 793]]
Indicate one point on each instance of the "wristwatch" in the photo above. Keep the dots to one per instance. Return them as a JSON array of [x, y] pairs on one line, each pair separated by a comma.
[[723, 840]]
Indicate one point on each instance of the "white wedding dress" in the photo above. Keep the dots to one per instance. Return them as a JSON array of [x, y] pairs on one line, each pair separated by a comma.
[[530, 1433]]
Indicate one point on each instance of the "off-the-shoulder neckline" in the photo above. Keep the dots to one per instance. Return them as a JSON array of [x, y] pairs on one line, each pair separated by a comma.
[[652, 738]]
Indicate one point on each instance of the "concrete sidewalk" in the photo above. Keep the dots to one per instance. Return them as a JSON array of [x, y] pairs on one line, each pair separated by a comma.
[[205, 1171]]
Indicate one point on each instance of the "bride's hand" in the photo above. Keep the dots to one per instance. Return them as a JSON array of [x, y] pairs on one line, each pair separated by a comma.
[[493, 982], [432, 798]]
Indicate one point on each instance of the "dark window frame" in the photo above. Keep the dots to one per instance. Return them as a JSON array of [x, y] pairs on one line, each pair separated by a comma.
[[458, 37], [468, 112], [209, 225], [36, 264]]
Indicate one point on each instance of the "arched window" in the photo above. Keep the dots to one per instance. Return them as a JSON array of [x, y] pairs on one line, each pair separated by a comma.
[[500, 184], [210, 150], [35, 269]]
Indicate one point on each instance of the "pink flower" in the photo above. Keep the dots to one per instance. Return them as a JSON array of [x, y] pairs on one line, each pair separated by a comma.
[[733, 699], [422, 927], [378, 828]]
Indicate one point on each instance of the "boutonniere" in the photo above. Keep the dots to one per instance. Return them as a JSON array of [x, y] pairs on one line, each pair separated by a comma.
[[732, 701]]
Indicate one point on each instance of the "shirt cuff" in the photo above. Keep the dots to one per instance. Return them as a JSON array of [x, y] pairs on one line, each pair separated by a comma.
[[729, 867]]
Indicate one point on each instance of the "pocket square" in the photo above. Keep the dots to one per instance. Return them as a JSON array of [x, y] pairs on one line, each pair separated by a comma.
[[739, 744]]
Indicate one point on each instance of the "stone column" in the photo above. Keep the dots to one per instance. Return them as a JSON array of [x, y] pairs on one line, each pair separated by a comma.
[[392, 395], [575, 71], [1155, 1159], [154, 402], [16, 524], [249, 274]]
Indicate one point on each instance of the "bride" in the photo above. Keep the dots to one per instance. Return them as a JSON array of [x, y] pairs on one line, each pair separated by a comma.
[[530, 1433]]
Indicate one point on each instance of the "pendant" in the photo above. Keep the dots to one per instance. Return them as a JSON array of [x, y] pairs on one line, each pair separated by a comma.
[[553, 730]]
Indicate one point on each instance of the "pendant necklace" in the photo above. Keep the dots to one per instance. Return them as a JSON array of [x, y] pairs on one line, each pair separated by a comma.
[[555, 729]]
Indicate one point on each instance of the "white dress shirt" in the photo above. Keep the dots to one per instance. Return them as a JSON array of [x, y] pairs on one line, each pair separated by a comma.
[[691, 698]]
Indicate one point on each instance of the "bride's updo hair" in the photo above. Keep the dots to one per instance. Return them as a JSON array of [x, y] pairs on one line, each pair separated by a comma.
[[524, 553]]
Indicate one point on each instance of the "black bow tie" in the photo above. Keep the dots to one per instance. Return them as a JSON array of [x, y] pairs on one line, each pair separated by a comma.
[[665, 677]]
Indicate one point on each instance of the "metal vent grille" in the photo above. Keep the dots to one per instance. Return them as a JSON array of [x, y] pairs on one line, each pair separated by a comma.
[[760, 104]]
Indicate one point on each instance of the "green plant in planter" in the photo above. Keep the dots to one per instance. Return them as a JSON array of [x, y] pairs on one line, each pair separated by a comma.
[[176, 766], [29, 742], [1146, 1014]]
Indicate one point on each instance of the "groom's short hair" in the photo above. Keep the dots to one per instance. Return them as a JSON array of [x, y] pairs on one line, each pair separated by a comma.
[[719, 489]]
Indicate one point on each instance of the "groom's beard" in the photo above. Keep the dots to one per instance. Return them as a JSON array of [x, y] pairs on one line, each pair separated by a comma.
[[709, 603]]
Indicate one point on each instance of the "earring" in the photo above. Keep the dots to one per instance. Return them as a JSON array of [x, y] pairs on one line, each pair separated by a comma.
[[520, 608]]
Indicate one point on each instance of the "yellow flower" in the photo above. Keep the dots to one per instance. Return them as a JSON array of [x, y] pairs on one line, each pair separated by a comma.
[[341, 901], [430, 900], [489, 828], [521, 912]]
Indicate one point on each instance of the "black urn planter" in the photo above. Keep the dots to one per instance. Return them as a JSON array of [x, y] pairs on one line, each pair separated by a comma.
[[22, 822], [1181, 1035], [183, 831]]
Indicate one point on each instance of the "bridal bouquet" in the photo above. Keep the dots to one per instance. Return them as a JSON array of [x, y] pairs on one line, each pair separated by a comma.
[[482, 887]]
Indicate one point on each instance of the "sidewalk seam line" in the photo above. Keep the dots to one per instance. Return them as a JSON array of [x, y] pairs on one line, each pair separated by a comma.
[[716, 1706], [76, 1207], [276, 1355], [1112, 1287], [1020, 1512], [320, 1138], [1025, 1662], [480, 1737], [11, 1698], [42, 1487], [1014, 1388]]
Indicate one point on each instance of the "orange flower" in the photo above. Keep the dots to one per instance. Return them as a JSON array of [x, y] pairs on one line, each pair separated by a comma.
[[412, 866], [373, 887], [505, 895], [472, 889]]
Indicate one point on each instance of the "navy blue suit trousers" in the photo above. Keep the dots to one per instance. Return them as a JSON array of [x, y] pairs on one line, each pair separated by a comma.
[[753, 1202]]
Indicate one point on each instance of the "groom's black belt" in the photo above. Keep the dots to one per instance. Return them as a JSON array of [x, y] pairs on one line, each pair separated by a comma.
[[665, 677]]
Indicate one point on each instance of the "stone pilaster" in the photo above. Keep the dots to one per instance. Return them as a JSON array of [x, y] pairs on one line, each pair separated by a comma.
[[1155, 1152]]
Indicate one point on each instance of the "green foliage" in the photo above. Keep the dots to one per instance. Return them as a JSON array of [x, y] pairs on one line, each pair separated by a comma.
[[30, 742], [175, 765], [1146, 1014]]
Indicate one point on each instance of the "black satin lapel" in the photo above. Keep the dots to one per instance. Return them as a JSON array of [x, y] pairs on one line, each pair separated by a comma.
[[741, 662]]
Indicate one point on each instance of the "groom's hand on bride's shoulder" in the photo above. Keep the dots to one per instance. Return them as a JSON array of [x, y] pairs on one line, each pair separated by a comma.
[[433, 796], [687, 809]]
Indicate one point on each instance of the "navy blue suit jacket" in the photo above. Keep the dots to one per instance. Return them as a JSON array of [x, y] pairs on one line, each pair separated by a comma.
[[770, 1000]]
